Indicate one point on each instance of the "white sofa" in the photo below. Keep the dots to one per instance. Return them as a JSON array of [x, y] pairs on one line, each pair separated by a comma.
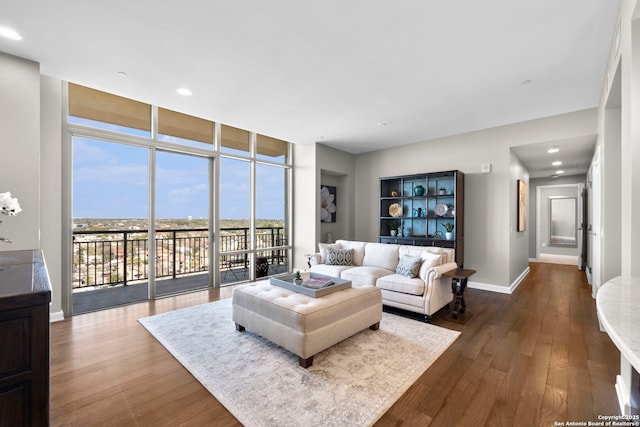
[[376, 263]]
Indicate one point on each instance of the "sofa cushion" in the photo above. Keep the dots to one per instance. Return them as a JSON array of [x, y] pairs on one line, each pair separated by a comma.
[[410, 250], [409, 266], [381, 255], [429, 260], [330, 270], [403, 284], [323, 250], [358, 249], [339, 256], [365, 274]]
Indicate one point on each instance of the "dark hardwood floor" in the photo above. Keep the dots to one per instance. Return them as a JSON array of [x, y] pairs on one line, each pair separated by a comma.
[[527, 359]]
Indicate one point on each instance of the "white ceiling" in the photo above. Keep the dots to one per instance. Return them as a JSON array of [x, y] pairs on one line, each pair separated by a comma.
[[358, 75]]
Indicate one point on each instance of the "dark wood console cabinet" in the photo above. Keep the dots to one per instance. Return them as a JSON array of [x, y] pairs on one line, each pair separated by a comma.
[[25, 294]]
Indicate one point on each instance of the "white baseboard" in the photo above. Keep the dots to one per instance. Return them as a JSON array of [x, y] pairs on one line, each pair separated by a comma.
[[56, 316], [533, 260], [559, 259], [500, 289]]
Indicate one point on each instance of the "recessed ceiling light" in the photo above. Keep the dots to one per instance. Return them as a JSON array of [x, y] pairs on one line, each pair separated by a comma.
[[556, 163], [553, 150], [555, 176], [9, 33], [184, 91], [560, 172]]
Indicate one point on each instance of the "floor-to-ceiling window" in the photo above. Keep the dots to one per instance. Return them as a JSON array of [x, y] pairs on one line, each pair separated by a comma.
[[164, 184]]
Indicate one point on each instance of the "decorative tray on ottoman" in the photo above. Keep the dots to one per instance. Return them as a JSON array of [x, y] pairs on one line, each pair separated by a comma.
[[317, 285]]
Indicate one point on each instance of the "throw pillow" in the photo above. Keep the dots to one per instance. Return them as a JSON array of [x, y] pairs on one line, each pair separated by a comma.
[[409, 266], [429, 259], [339, 256], [323, 250]]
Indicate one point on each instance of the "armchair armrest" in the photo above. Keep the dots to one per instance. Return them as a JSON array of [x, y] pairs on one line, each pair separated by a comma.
[[314, 259], [443, 268]]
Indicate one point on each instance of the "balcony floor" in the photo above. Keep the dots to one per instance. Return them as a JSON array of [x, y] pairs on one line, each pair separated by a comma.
[[85, 301]]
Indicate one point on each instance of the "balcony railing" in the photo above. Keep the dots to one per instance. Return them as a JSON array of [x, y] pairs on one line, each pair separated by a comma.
[[122, 256]]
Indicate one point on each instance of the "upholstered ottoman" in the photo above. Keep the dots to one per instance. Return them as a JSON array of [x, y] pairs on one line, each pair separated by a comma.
[[301, 324]]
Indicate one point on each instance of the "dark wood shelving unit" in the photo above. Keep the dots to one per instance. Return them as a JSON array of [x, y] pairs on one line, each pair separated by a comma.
[[424, 213]]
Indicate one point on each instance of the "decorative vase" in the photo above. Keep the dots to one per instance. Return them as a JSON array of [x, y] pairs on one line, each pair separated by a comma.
[[418, 191], [393, 232], [448, 235], [298, 282]]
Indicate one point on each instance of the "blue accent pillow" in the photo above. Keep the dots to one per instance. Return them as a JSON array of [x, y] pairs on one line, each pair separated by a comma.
[[409, 266]]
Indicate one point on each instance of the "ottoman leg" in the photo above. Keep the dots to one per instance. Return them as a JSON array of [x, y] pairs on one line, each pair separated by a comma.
[[239, 327], [305, 363], [375, 326]]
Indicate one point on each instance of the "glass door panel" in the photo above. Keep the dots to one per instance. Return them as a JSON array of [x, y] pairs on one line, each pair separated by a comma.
[[182, 222], [110, 222], [271, 233], [234, 239]]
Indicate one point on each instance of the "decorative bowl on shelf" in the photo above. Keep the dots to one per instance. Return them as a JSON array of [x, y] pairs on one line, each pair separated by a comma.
[[441, 209], [395, 210]]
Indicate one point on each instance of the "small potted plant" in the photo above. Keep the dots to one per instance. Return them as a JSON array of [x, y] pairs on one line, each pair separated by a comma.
[[443, 191], [393, 227], [298, 278], [448, 227]]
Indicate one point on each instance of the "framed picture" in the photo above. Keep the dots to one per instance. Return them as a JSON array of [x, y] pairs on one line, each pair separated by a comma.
[[523, 196], [327, 203]]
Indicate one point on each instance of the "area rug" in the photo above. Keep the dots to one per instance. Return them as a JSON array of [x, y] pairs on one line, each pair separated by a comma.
[[351, 384]]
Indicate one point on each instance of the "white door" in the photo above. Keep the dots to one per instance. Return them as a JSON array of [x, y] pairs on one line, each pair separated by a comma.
[[594, 228]]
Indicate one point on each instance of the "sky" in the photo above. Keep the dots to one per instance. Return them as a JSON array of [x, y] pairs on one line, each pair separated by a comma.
[[110, 180]]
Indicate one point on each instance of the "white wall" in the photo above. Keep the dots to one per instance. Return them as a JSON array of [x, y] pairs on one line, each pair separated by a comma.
[[51, 185], [489, 198], [518, 241], [626, 45], [20, 150], [337, 168], [306, 203]]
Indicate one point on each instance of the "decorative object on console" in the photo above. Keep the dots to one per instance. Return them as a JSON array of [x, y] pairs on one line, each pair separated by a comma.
[[327, 203], [448, 226], [418, 190], [393, 227], [395, 210], [440, 209], [298, 278], [8, 206]]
